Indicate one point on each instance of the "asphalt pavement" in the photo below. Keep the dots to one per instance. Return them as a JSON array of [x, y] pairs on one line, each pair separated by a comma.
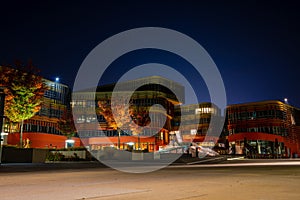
[[208, 162], [94, 181]]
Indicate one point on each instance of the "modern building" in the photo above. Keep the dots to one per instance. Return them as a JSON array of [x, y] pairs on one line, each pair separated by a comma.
[[42, 129], [194, 121], [153, 90], [264, 129]]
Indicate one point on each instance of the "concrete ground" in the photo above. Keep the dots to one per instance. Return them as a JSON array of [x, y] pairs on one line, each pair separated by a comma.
[[95, 182]]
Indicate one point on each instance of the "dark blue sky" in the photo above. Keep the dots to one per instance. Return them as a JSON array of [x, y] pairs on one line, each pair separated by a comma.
[[254, 44]]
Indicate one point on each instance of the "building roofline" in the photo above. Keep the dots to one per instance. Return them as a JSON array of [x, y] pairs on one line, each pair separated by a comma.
[[108, 87], [262, 102], [45, 79]]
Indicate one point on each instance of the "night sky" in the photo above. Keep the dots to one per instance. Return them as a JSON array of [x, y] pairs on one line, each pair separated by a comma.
[[254, 44]]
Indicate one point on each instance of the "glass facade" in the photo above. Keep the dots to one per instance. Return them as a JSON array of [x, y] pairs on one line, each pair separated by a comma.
[[194, 121], [141, 100], [54, 104], [268, 128]]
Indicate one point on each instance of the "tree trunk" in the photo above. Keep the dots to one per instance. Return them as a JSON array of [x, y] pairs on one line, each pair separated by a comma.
[[21, 134], [119, 135], [139, 142]]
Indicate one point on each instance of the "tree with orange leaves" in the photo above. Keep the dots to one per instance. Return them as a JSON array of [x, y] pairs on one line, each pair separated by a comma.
[[66, 125], [138, 115], [24, 91]]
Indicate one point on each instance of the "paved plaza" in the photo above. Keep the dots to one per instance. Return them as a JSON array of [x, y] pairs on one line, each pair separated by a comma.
[[96, 182]]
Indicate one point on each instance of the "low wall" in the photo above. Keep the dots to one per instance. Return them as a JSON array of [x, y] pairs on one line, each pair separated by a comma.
[[42, 140], [17, 155], [69, 154]]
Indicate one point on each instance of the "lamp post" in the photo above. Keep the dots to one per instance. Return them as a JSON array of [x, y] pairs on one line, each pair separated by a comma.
[[119, 136], [139, 142], [2, 101]]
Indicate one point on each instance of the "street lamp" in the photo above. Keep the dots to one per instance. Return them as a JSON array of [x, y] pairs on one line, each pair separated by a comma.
[[69, 143], [2, 101], [119, 135]]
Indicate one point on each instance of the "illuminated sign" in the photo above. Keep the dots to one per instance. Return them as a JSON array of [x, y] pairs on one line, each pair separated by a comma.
[[178, 136], [203, 110], [193, 131]]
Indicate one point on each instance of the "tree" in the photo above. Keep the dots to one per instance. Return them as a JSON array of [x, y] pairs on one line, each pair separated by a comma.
[[115, 122], [138, 115], [66, 125], [24, 91]]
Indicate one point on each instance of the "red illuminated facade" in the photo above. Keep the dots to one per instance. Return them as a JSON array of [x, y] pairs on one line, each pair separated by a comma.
[[101, 134], [264, 129], [42, 129]]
